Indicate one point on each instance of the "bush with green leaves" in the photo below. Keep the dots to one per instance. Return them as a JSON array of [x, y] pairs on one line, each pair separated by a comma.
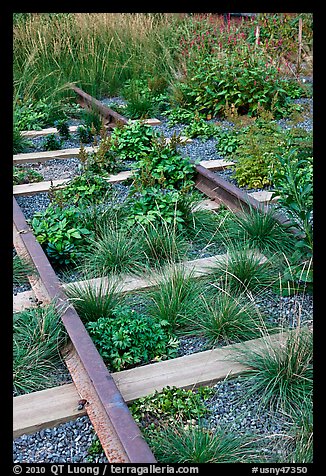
[[26, 175], [132, 140], [243, 77], [130, 338], [34, 115], [59, 232], [51, 142], [38, 335], [179, 115], [84, 134], [152, 205], [259, 144], [103, 160], [165, 168], [293, 181], [63, 129], [171, 403], [200, 128], [228, 141], [81, 190]]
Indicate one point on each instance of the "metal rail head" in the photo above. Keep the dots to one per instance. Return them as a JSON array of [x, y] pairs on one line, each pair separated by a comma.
[[117, 430]]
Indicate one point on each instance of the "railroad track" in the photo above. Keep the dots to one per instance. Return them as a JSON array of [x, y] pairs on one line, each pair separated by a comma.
[[105, 394]]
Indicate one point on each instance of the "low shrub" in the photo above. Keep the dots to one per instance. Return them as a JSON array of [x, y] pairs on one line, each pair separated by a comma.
[[51, 142], [129, 338], [131, 141], [59, 232], [26, 175]]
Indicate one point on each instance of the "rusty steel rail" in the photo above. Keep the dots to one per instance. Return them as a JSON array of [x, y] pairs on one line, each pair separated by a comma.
[[119, 434], [222, 191], [111, 117]]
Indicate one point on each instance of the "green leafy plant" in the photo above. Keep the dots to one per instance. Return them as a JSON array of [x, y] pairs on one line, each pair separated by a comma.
[[51, 142], [63, 129], [59, 232], [294, 186], [228, 141], [153, 206], [33, 115], [131, 141], [38, 335], [200, 128], [130, 338], [243, 77], [164, 168], [281, 373], [171, 403], [26, 175], [259, 145], [179, 115], [82, 190], [103, 160], [95, 449], [84, 134]]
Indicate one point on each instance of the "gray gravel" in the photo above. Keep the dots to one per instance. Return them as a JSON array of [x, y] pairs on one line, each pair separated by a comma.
[[33, 203], [66, 443], [55, 169], [231, 407]]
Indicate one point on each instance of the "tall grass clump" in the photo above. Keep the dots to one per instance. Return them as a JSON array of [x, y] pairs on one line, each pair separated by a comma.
[[259, 230], [227, 318], [244, 270], [115, 250], [99, 51], [281, 373], [196, 444], [93, 301], [163, 243], [38, 336], [21, 269], [175, 298]]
